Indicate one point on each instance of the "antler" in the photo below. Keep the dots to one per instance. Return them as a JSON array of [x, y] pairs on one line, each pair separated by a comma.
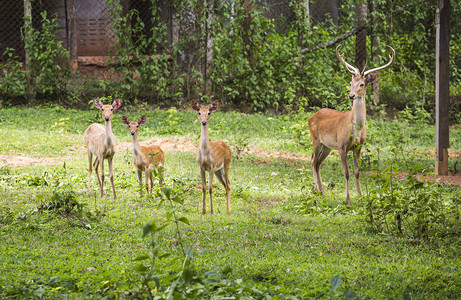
[[391, 60], [353, 70]]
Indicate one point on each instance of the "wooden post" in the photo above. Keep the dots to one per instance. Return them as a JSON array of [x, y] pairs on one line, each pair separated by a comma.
[[442, 92], [72, 34]]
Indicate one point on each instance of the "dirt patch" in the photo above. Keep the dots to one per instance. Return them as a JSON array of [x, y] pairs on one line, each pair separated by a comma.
[[450, 179], [184, 144], [24, 161]]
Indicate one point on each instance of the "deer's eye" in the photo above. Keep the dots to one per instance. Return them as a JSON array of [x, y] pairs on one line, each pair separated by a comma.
[[199, 114], [209, 113], [362, 84], [137, 126]]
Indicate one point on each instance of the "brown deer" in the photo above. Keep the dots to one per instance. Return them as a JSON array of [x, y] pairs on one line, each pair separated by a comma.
[[101, 142], [344, 131], [214, 157], [145, 158]]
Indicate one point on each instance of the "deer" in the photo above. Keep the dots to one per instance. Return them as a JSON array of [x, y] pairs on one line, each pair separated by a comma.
[[212, 156], [145, 158], [343, 131], [100, 142]]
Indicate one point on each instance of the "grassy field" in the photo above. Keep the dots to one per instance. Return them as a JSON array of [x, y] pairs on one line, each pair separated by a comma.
[[55, 242]]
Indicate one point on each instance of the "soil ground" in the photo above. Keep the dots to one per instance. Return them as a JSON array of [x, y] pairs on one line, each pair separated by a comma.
[[183, 144]]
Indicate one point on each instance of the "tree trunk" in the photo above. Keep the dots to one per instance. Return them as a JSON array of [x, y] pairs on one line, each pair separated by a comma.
[[333, 9], [248, 32], [30, 78], [72, 34], [374, 53], [361, 37], [208, 48]]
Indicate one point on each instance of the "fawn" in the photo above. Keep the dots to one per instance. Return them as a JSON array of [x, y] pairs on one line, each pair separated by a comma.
[[214, 157], [101, 142], [145, 158]]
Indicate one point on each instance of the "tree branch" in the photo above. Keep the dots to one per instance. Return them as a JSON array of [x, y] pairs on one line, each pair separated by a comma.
[[333, 41]]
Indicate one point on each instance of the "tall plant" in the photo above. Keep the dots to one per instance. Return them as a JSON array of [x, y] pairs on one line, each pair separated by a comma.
[[48, 59]]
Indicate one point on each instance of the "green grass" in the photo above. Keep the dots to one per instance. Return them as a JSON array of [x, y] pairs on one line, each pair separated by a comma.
[[270, 241]]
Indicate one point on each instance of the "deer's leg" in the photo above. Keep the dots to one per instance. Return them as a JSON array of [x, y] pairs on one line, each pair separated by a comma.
[[223, 177], [151, 178], [97, 163], [343, 155], [146, 174], [111, 172], [356, 168], [314, 159], [211, 190], [90, 170], [203, 176], [320, 153], [140, 180], [102, 176]]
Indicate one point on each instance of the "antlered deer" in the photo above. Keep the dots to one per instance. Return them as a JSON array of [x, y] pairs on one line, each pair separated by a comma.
[[145, 158], [214, 157], [344, 131], [101, 142]]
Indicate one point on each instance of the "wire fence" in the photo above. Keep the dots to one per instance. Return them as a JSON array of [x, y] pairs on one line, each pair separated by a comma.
[[92, 28]]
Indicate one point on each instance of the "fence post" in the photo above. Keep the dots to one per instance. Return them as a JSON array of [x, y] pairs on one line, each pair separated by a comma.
[[442, 87]]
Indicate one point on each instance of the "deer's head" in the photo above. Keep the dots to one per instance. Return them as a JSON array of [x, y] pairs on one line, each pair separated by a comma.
[[107, 110], [204, 112], [133, 125], [360, 80]]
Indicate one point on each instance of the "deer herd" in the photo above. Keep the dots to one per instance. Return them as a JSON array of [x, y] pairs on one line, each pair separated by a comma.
[[328, 128]]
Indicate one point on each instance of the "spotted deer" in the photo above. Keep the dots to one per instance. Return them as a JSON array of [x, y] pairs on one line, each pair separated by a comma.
[[145, 158], [344, 131], [212, 156], [101, 142]]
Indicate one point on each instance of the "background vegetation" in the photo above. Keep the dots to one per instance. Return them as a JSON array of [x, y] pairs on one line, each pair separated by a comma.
[[255, 63], [401, 240]]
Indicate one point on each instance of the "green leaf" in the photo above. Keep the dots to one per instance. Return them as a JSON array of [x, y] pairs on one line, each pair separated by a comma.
[[39, 292], [148, 228], [141, 268], [141, 257], [350, 295], [178, 199], [53, 280], [184, 220], [167, 192], [335, 282]]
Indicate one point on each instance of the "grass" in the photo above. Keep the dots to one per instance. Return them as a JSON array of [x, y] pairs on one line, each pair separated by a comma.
[[274, 242]]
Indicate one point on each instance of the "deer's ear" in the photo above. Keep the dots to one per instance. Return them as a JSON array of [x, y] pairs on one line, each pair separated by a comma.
[[195, 105], [125, 120], [214, 106], [97, 103], [142, 120], [117, 103], [371, 77]]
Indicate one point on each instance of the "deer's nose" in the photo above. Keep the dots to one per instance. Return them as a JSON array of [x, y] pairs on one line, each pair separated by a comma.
[[204, 123], [351, 96], [107, 118], [133, 133]]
